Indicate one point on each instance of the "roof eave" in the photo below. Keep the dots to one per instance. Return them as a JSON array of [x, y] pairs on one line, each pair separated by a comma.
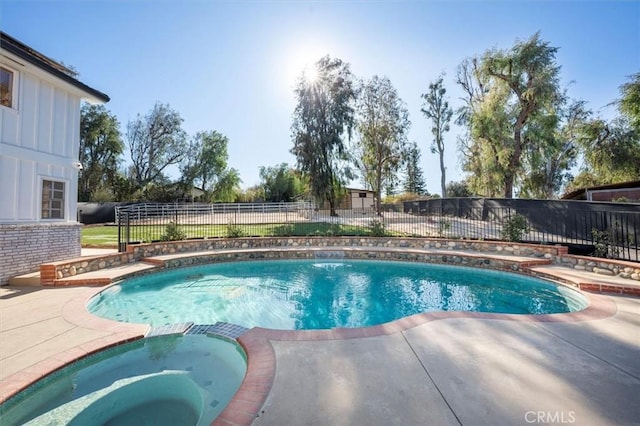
[[9, 44]]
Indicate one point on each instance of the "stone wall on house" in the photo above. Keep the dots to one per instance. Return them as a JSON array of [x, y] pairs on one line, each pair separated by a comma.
[[24, 247]]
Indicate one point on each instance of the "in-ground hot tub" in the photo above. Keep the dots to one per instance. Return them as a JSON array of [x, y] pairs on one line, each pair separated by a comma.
[[164, 380]]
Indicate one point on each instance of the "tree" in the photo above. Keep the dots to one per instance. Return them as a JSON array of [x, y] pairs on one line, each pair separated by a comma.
[[515, 88], [382, 124], [280, 183], [584, 179], [529, 70], [437, 109], [611, 150], [227, 188], [155, 141], [253, 194], [486, 125], [205, 166], [548, 163], [414, 180], [458, 189], [629, 104], [100, 150], [323, 116]]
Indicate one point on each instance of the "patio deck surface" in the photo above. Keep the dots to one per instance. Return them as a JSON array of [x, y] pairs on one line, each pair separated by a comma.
[[441, 368]]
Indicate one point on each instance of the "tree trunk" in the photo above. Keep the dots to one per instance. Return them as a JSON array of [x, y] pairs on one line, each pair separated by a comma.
[[332, 208], [378, 190], [443, 178], [508, 185], [514, 163]]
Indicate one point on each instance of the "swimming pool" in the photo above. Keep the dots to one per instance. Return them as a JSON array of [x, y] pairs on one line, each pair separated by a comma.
[[321, 294], [163, 380]]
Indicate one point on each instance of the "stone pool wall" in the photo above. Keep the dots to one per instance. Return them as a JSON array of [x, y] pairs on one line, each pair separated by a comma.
[[555, 254]]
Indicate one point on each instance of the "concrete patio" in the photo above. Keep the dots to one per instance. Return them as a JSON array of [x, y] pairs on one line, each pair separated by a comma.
[[465, 371], [439, 368]]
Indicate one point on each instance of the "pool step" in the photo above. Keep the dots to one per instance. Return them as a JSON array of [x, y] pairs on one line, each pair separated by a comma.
[[30, 279], [232, 331], [225, 329], [179, 328]]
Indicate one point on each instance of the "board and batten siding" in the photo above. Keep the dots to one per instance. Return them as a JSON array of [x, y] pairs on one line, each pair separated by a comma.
[[39, 139]]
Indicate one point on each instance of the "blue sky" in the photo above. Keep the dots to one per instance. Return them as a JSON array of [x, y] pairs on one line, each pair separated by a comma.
[[231, 66]]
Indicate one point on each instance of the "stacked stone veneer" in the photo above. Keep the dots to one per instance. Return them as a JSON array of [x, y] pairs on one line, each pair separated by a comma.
[[608, 267], [24, 247], [531, 250], [206, 248]]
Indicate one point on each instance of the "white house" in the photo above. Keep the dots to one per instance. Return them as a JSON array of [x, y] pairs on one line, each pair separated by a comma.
[[39, 147]]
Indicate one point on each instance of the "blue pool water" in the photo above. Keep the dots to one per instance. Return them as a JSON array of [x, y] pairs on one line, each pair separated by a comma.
[[164, 380], [308, 294]]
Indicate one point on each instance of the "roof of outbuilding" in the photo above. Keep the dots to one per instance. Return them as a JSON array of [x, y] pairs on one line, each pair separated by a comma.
[[620, 185], [47, 64]]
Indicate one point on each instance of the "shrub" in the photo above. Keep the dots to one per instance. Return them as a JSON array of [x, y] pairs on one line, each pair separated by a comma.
[[234, 231], [377, 228], [609, 243], [172, 232], [514, 228], [284, 230], [443, 226]]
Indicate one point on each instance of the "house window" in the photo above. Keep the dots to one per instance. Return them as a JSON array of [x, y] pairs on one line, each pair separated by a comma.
[[52, 199], [6, 87]]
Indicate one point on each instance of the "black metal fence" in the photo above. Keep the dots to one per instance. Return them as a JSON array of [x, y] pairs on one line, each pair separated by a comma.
[[604, 229]]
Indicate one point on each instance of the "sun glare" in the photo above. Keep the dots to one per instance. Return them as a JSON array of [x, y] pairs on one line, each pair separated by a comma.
[[301, 62], [310, 73]]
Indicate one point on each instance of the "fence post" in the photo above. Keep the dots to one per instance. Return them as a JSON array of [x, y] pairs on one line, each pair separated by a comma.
[[122, 245]]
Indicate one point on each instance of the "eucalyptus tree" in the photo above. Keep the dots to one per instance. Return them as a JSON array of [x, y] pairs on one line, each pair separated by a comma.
[[101, 148], [512, 88], [322, 119], [414, 179], [206, 167], [382, 126], [156, 141], [436, 108]]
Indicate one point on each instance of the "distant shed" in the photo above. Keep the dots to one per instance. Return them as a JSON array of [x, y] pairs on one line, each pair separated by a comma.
[[354, 199]]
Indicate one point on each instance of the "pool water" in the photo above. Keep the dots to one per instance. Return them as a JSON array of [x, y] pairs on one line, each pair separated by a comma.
[[308, 294], [163, 380]]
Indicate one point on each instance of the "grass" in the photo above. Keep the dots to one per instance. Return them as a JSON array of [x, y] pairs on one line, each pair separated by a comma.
[[107, 236]]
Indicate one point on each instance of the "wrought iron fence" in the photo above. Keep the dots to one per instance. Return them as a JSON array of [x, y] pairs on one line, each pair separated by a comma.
[[607, 233]]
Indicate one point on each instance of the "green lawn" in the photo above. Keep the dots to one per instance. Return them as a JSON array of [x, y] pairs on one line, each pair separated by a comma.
[[107, 236]]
